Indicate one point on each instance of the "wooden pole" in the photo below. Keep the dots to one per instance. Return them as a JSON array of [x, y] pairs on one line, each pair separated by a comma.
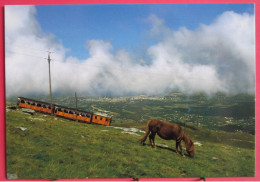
[[49, 61], [76, 105]]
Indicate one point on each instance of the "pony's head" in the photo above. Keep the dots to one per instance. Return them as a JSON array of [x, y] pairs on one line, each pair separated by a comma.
[[189, 145], [190, 149]]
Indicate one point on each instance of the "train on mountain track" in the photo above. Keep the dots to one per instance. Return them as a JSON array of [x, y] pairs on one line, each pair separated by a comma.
[[65, 112]]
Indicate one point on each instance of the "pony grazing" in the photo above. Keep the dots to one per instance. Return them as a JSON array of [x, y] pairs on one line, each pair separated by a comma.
[[168, 131]]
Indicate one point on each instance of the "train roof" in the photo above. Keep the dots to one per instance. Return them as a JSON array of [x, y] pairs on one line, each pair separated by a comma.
[[34, 100], [74, 109], [103, 114]]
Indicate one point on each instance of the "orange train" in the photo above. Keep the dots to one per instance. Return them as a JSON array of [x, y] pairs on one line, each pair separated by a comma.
[[66, 112]]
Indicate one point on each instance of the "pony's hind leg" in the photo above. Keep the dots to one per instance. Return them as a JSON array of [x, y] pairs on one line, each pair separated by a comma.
[[151, 138], [147, 131]]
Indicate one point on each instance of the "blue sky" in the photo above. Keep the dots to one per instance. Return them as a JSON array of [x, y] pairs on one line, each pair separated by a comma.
[[156, 48], [125, 26]]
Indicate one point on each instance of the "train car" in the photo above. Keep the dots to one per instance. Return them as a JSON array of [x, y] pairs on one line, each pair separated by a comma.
[[84, 116], [102, 119], [34, 104], [72, 113], [65, 112]]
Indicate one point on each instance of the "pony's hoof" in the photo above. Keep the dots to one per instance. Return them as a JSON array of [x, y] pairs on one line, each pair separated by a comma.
[[183, 155], [142, 143]]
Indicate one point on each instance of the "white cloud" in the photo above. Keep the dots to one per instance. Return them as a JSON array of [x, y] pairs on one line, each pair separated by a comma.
[[215, 57]]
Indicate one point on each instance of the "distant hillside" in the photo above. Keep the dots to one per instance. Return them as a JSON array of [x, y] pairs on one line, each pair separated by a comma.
[[217, 112]]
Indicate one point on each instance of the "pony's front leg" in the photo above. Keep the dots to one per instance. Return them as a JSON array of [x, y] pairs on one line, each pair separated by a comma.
[[182, 153], [177, 145]]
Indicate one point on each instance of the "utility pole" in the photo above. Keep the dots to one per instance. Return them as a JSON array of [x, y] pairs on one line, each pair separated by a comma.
[[76, 106], [49, 61]]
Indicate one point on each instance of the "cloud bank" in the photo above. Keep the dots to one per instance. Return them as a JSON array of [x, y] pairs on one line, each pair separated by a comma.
[[215, 57]]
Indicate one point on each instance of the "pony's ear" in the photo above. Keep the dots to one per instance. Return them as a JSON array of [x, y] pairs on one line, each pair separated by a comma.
[[190, 143]]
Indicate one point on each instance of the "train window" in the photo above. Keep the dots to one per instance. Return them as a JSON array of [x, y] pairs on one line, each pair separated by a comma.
[[106, 119], [83, 115], [22, 101], [101, 118], [33, 104], [65, 111], [70, 112], [59, 109], [95, 117], [88, 116], [49, 107], [44, 106], [39, 105]]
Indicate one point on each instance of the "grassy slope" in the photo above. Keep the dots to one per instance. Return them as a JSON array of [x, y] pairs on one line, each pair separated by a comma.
[[58, 148]]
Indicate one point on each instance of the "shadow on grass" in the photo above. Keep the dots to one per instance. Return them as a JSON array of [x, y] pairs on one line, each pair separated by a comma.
[[172, 150], [166, 148]]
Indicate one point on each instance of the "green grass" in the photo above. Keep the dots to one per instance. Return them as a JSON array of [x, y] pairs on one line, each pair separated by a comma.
[[57, 148]]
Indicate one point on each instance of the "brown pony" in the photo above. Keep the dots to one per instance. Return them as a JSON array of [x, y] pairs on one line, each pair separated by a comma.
[[168, 131]]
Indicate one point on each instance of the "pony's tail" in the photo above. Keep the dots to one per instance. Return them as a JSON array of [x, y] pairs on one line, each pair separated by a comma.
[[147, 131]]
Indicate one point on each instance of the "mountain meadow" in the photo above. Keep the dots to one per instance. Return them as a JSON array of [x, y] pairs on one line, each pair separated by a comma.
[[222, 127]]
